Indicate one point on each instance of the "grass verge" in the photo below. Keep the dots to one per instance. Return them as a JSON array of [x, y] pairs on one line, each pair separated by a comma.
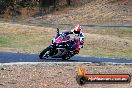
[[99, 42], [106, 54]]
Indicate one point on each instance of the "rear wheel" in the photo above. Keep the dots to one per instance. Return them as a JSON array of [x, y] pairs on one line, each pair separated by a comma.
[[44, 54], [66, 57]]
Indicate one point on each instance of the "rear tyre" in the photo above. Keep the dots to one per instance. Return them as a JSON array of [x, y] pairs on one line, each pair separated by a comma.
[[43, 53], [66, 57]]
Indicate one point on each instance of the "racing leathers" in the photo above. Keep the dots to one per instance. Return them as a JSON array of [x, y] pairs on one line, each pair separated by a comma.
[[77, 38]]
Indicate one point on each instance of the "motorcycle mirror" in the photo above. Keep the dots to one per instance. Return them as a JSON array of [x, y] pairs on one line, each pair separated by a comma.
[[57, 30]]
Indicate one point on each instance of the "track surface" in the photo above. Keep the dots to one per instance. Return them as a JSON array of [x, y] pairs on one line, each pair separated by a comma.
[[24, 57]]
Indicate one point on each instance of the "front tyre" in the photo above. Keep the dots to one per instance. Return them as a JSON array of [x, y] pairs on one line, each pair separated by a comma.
[[44, 53]]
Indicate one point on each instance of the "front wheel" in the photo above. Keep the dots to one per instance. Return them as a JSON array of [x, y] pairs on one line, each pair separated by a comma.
[[44, 54]]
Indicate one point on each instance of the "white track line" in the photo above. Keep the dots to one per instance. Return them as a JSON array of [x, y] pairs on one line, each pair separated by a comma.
[[34, 63]]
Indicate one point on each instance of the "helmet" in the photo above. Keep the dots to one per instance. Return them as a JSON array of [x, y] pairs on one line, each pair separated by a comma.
[[77, 29]]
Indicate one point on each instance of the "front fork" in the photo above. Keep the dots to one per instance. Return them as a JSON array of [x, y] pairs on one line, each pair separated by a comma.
[[52, 49]]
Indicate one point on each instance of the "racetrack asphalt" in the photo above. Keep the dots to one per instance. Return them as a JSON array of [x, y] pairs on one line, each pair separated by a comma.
[[8, 57]]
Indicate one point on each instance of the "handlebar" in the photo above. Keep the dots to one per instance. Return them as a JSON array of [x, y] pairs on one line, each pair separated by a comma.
[[58, 31]]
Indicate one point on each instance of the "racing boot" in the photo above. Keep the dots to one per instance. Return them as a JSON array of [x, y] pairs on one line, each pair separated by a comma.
[[71, 51]]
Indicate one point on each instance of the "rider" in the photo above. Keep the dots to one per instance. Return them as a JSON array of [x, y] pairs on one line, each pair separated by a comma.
[[78, 37]]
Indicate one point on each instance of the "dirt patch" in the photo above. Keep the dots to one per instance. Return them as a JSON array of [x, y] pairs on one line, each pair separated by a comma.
[[116, 12], [107, 42], [7, 28], [56, 75], [95, 12]]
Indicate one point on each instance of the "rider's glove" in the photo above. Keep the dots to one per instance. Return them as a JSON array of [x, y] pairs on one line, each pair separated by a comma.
[[63, 34], [81, 46]]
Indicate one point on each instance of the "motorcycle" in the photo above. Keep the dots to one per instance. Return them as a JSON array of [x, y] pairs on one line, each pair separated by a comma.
[[59, 48]]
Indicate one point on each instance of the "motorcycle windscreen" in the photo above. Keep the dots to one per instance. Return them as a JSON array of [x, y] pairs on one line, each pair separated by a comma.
[[60, 39]]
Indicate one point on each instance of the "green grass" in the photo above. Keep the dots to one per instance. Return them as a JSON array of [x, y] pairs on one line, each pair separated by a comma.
[[117, 51], [120, 32], [13, 41], [4, 41], [35, 42], [106, 54], [32, 43]]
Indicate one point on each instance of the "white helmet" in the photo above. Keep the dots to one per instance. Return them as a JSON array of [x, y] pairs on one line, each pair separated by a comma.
[[77, 29]]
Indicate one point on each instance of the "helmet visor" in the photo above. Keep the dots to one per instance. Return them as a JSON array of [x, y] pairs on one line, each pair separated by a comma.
[[76, 32]]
